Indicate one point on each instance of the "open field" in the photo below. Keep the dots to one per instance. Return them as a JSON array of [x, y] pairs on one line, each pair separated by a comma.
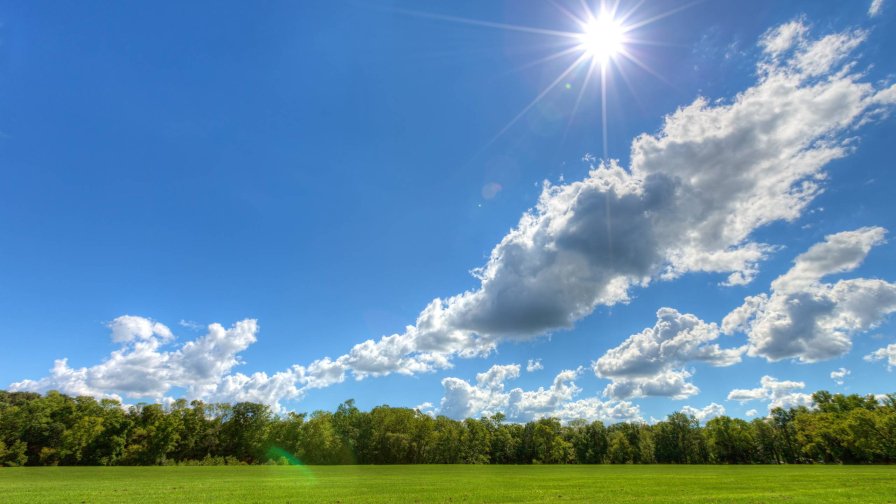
[[456, 483]]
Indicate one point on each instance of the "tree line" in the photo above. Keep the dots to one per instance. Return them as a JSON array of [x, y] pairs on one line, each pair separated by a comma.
[[56, 429]]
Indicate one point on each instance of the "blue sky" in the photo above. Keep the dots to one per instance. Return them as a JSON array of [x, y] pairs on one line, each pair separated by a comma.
[[313, 175]]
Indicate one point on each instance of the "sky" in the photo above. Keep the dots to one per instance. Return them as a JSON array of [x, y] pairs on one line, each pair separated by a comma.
[[605, 211]]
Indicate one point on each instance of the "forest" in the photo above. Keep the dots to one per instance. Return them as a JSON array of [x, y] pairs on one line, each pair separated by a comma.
[[56, 429]]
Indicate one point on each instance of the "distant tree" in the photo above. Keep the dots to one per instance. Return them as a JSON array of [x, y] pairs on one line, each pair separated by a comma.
[[730, 441], [57, 429], [619, 450], [678, 440]]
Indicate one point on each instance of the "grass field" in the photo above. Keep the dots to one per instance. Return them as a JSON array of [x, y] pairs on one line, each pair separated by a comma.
[[369, 484]]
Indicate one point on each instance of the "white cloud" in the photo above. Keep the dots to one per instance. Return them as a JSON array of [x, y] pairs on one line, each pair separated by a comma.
[[807, 319], [142, 367], [706, 413], [887, 353], [779, 394], [874, 8], [839, 375], [649, 363], [751, 413], [669, 383], [129, 328], [534, 365], [189, 324], [780, 39], [489, 395]]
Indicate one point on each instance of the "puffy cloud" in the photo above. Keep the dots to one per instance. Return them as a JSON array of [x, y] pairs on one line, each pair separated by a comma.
[[706, 413], [534, 365], [887, 353], [839, 375], [807, 319], [258, 387], [751, 413], [144, 367], [488, 395], [874, 8], [782, 38], [648, 363], [779, 393], [129, 328], [669, 383]]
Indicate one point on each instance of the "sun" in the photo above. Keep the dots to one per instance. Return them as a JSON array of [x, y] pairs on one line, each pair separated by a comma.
[[603, 38], [605, 42]]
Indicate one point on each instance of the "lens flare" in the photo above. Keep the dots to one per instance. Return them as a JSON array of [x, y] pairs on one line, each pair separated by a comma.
[[283, 457]]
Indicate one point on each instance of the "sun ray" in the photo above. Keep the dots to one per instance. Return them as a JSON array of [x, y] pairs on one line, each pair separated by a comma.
[[631, 57], [664, 15], [541, 95], [568, 13], [545, 59], [486, 24], [603, 107], [623, 18], [646, 42], [621, 71], [581, 93]]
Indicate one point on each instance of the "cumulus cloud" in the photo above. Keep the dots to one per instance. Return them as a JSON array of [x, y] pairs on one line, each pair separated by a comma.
[[650, 363], [751, 413], [778, 393], [148, 364], [145, 366], [706, 413], [839, 375], [887, 353], [489, 395], [128, 328], [874, 8], [534, 365], [807, 319]]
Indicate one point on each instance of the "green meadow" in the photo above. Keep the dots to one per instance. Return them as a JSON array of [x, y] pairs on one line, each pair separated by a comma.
[[451, 483]]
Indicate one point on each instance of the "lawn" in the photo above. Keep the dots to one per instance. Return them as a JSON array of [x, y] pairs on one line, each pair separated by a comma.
[[458, 483]]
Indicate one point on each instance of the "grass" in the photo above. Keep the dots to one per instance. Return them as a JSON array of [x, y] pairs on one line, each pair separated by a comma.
[[432, 483]]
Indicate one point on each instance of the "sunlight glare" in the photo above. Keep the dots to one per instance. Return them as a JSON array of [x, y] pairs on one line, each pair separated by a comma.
[[602, 38]]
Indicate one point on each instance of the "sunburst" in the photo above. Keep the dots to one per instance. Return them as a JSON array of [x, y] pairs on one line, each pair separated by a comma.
[[601, 42]]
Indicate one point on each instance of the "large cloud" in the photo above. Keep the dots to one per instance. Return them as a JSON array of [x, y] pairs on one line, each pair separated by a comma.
[[651, 362], [807, 319], [488, 396]]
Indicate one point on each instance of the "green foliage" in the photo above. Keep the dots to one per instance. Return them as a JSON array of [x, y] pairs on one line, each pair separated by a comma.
[[56, 429]]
